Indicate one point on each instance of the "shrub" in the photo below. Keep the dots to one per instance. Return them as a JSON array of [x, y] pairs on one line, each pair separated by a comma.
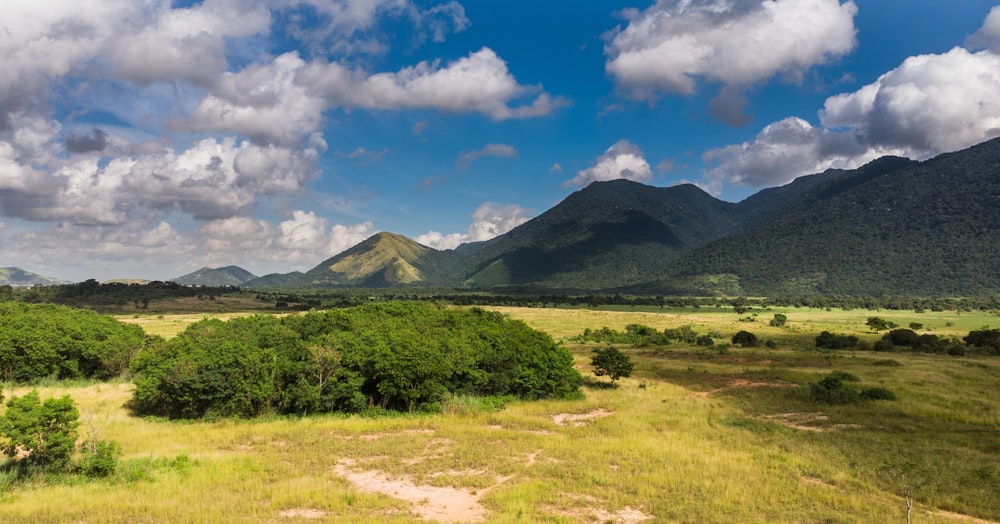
[[779, 320], [829, 340], [877, 394], [745, 339], [831, 390], [42, 433], [99, 458], [902, 337], [704, 340]]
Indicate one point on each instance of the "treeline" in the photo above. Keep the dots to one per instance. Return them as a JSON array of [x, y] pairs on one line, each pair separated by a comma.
[[40, 341], [396, 356], [93, 294], [979, 342]]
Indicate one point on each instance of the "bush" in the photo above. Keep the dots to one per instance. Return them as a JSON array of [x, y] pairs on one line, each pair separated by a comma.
[[779, 320], [877, 394], [43, 434], [902, 337], [99, 458], [831, 390], [745, 339], [829, 340], [704, 340]]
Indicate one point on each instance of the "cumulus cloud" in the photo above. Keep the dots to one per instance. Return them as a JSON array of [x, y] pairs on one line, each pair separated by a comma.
[[673, 44], [480, 82], [93, 141], [498, 150], [929, 104], [488, 221], [185, 43], [214, 178], [622, 160], [782, 151], [988, 36]]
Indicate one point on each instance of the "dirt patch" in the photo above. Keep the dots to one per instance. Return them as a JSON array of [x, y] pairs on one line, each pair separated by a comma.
[[436, 503], [740, 383], [580, 419], [626, 515], [963, 518], [806, 479], [807, 422], [302, 513]]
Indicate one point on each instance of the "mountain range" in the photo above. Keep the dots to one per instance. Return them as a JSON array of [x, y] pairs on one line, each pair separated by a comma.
[[894, 226], [17, 277]]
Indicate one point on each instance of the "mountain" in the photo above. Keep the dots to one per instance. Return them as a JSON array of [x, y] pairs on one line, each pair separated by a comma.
[[612, 233], [17, 277], [220, 276], [385, 260], [893, 226]]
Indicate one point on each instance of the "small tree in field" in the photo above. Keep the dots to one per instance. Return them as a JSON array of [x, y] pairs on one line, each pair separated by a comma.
[[611, 362], [44, 432]]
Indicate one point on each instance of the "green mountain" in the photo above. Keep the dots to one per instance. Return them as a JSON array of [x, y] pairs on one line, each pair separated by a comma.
[[17, 277], [385, 260], [220, 276], [893, 226]]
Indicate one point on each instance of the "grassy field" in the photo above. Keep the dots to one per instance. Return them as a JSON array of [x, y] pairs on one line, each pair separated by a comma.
[[695, 435]]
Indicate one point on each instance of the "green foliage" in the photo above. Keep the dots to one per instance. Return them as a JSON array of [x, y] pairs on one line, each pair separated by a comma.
[[779, 320], [42, 434], [829, 340], [985, 340], [877, 393], [640, 335], [877, 324], [612, 362], [745, 339], [42, 341], [400, 356], [832, 390], [99, 458]]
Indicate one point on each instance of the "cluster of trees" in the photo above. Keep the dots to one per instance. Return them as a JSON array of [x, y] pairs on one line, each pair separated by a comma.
[[391, 356], [640, 335], [984, 341], [50, 341]]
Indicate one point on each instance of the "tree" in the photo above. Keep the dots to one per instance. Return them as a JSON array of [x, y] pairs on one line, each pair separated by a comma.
[[879, 324], [779, 320], [43, 433], [745, 339], [612, 362]]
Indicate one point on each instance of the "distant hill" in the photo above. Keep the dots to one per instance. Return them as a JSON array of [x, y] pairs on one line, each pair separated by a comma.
[[213, 277], [385, 260], [891, 227], [17, 277]]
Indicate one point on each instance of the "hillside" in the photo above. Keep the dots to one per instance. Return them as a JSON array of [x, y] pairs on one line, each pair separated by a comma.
[[609, 234], [385, 260], [890, 227], [220, 276], [17, 277]]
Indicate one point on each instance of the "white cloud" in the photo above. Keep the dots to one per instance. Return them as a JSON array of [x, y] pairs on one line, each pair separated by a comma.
[[622, 160], [187, 43], [927, 105], [497, 150], [556, 168], [479, 82], [489, 220], [670, 46], [988, 36], [782, 151]]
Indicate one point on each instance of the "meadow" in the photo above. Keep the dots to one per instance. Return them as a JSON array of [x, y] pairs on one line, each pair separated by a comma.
[[717, 434]]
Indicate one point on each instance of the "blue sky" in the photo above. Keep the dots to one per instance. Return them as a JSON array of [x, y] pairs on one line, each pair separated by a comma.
[[146, 139]]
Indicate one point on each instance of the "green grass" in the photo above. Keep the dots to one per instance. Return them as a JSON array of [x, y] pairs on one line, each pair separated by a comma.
[[695, 435]]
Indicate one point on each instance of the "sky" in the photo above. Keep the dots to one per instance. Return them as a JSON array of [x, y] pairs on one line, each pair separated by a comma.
[[149, 138]]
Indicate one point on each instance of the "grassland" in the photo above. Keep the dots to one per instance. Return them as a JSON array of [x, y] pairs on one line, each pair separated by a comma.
[[695, 435]]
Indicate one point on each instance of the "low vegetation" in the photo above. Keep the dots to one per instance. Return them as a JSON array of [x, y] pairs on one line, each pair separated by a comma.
[[704, 433]]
